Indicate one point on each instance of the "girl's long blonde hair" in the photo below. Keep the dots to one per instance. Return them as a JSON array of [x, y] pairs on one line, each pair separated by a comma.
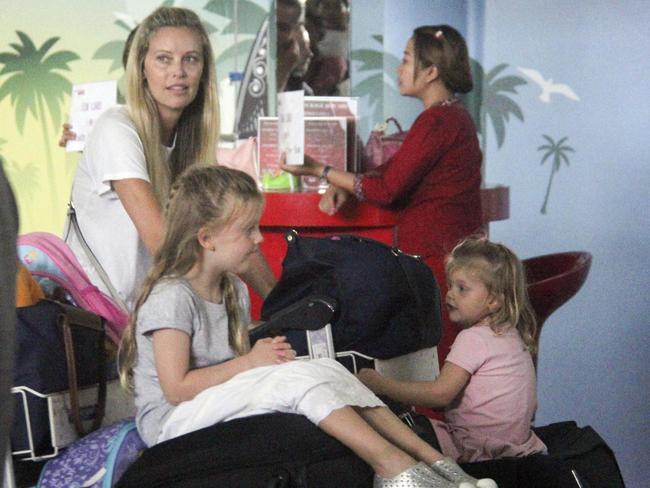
[[202, 196], [502, 273], [197, 131]]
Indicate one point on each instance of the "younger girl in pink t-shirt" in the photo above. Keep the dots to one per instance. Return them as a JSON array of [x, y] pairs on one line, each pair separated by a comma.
[[487, 384]]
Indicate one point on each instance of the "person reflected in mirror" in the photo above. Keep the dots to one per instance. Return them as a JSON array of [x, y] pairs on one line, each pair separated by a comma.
[[328, 24], [289, 14], [297, 79]]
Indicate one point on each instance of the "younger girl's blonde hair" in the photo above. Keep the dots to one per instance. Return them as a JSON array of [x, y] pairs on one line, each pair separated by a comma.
[[197, 131], [202, 196], [502, 273]]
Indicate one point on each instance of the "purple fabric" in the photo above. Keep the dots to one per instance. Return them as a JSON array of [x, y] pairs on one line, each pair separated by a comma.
[[101, 456]]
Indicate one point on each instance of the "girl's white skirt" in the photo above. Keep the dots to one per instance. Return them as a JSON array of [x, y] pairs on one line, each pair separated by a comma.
[[311, 388]]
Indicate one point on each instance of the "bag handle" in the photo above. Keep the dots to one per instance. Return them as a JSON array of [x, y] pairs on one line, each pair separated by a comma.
[[68, 317], [394, 120]]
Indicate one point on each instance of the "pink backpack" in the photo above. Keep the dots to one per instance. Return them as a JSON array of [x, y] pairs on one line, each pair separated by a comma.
[[49, 259]]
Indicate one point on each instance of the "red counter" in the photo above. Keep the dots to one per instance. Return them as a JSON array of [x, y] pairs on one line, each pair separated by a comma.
[[299, 211]]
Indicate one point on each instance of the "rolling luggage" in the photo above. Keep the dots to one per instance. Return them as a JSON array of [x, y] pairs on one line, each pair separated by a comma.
[[267, 451]]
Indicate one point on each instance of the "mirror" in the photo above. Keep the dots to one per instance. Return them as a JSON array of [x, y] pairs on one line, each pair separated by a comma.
[[312, 53], [313, 46]]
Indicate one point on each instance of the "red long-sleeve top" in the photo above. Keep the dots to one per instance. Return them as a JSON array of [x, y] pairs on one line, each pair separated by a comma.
[[434, 180]]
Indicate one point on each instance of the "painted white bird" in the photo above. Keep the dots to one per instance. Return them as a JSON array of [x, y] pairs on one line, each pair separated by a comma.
[[548, 87]]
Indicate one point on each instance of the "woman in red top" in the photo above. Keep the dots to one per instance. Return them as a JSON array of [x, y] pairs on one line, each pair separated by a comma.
[[434, 179]]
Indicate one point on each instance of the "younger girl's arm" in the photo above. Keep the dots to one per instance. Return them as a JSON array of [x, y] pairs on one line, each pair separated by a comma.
[[433, 394], [179, 383]]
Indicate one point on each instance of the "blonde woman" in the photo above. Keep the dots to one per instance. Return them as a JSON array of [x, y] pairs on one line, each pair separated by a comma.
[[134, 153]]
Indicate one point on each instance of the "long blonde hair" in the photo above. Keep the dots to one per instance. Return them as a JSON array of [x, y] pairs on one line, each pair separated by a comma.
[[197, 131], [201, 196], [502, 273]]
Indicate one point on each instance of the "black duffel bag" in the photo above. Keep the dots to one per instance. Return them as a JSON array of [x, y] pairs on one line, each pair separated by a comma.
[[59, 348], [389, 301]]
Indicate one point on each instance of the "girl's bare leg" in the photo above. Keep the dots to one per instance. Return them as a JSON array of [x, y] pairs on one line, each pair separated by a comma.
[[389, 426], [347, 426]]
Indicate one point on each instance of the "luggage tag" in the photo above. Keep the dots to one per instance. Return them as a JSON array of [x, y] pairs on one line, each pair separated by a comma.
[[320, 343]]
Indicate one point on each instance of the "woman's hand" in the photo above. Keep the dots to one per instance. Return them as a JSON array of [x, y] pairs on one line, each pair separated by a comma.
[[372, 380], [333, 199], [67, 135], [311, 167], [270, 351]]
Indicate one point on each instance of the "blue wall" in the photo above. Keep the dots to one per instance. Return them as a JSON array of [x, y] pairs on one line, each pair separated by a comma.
[[593, 364]]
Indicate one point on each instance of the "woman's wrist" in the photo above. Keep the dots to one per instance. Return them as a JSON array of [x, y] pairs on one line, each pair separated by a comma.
[[324, 172]]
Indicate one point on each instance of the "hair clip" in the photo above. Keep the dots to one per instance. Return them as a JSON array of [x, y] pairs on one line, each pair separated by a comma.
[[439, 35]]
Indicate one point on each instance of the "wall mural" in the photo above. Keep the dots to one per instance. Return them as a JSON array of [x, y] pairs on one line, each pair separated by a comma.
[[35, 86], [34, 82]]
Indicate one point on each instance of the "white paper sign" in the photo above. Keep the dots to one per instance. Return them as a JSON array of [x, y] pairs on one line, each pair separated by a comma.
[[291, 126], [88, 101]]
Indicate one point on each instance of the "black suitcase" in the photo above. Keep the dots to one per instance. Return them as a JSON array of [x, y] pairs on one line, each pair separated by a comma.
[[577, 458], [268, 451]]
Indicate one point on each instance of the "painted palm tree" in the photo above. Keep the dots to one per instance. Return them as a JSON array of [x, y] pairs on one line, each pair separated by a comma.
[[558, 151], [382, 81], [35, 85], [495, 103]]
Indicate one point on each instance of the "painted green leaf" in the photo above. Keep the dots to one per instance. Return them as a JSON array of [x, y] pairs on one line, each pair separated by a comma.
[[111, 51], [249, 15], [241, 49], [369, 58]]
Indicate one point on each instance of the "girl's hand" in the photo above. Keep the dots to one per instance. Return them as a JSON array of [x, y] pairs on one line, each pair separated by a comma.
[[67, 135], [332, 200], [270, 351], [311, 167], [372, 380]]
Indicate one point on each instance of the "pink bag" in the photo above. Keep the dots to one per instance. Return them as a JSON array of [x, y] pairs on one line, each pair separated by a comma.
[[49, 259], [381, 147], [242, 158]]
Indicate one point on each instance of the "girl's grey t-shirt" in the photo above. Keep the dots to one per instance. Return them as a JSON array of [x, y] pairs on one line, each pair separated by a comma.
[[173, 304]]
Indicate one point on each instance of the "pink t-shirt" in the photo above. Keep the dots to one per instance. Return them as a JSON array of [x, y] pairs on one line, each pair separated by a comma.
[[492, 417]]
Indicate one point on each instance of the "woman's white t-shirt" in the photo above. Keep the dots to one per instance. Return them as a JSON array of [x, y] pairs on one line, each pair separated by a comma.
[[113, 151]]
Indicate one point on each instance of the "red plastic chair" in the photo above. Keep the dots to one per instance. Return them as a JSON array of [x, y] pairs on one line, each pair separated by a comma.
[[552, 280]]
